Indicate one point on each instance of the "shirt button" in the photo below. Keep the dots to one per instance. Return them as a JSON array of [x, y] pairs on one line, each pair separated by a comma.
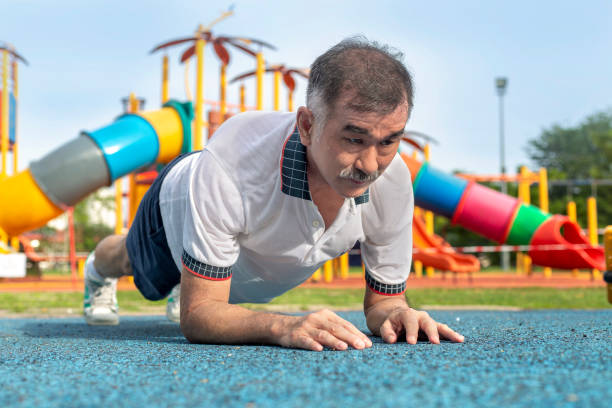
[[316, 223]]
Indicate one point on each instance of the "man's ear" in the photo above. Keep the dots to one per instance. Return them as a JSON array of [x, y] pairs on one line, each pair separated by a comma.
[[305, 121]]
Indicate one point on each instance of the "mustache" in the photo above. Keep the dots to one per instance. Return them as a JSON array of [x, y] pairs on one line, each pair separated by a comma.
[[351, 173]]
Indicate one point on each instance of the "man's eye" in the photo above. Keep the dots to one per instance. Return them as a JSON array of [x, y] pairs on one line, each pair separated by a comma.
[[387, 142], [354, 140]]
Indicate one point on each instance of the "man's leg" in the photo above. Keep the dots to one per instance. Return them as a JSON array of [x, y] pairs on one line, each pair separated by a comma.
[[104, 266], [111, 257]]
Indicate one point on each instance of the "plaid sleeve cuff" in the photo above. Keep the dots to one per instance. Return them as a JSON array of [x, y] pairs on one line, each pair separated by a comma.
[[387, 289], [204, 270]]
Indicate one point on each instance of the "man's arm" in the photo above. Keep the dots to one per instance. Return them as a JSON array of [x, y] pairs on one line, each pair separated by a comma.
[[390, 317], [206, 317]]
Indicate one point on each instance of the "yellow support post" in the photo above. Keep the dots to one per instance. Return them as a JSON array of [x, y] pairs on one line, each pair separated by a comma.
[[119, 206], [316, 276], [15, 243], [4, 143], [290, 101], [418, 269], [81, 268], [165, 83], [277, 83], [543, 192], [3, 237], [222, 92], [259, 78], [242, 98], [572, 215], [543, 189], [592, 229], [16, 96], [608, 252], [335, 267], [328, 271], [132, 196], [429, 217], [418, 265], [199, 105], [344, 266], [525, 196]]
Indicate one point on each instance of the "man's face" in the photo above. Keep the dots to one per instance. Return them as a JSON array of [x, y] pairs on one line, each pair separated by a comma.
[[351, 149]]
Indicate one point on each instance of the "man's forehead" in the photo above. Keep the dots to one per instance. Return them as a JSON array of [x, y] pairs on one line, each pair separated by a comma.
[[348, 115]]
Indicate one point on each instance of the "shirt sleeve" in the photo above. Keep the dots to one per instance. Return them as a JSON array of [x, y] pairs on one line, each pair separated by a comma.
[[387, 224], [214, 217]]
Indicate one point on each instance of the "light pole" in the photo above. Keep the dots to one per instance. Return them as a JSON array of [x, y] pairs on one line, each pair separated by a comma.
[[501, 83]]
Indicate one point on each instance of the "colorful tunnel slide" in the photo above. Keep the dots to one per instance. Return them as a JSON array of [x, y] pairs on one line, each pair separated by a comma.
[[31, 198], [503, 219]]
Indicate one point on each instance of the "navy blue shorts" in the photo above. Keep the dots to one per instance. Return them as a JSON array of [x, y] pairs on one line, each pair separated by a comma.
[[155, 273]]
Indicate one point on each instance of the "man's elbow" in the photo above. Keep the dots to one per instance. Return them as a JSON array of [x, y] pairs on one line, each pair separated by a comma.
[[196, 327]]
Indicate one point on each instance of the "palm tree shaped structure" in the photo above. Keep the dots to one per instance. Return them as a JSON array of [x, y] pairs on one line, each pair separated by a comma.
[[287, 74], [199, 40]]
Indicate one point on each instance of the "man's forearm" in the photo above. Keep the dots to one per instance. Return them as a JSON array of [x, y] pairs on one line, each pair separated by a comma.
[[219, 322]]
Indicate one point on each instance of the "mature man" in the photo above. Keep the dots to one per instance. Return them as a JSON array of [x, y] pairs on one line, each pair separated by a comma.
[[271, 198]]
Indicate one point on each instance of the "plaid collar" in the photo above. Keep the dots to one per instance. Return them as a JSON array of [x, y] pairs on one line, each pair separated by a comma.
[[293, 170]]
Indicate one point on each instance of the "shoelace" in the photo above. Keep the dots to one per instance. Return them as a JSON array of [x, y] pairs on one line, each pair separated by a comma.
[[105, 294]]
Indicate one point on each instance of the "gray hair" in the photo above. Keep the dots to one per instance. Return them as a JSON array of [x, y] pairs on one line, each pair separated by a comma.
[[374, 72]]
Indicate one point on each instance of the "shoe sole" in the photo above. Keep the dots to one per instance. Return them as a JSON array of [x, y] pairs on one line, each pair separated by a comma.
[[102, 322], [173, 319]]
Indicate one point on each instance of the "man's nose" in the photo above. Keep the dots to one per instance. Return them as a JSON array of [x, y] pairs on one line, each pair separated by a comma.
[[368, 160]]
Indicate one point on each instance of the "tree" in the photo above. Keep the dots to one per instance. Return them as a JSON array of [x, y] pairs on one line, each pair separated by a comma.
[[89, 232], [579, 152]]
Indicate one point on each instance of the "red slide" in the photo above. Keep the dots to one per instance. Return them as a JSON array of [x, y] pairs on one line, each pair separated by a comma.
[[567, 245], [433, 251]]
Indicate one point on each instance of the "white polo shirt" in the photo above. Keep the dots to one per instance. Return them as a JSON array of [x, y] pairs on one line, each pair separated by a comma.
[[242, 209]]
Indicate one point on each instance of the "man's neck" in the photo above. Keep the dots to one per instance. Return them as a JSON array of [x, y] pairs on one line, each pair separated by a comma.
[[327, 200]]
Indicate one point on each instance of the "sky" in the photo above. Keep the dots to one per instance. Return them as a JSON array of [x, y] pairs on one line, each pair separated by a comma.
[[557, 55]]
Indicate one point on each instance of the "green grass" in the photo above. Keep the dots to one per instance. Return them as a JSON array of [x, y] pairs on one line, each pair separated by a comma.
[[44, 303]]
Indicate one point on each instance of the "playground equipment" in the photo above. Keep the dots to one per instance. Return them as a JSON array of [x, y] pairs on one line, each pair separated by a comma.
[[11, 264], [431, 250], [200, 38], [503, 219], [284, 72], [8, 106], [608, 272], [93, 160]]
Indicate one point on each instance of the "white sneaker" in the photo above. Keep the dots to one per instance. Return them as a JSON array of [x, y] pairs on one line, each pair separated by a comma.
[[173, 308], [100, 298]]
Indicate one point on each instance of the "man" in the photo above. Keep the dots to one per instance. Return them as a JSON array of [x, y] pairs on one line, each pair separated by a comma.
[[271, 198]]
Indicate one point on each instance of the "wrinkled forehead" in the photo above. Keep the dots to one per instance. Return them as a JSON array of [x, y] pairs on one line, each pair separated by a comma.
[[351, 103], [392, 117]]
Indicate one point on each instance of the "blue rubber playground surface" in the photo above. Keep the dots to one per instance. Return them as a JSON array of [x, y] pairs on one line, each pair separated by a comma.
[[509, 359]]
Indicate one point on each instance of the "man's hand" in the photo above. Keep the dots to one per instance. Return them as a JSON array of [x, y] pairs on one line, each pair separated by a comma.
[[409, 322], [321, 329], [391, 318]]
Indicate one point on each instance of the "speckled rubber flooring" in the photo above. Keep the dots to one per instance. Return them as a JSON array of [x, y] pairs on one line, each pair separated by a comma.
[[509, 359]]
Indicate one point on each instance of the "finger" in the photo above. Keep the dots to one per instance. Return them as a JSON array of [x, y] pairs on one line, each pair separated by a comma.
[[387, 332], [348, 326], [343, 333], [307, 343], [329, 340], [449, 334], [430, 327], [411, 326]]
